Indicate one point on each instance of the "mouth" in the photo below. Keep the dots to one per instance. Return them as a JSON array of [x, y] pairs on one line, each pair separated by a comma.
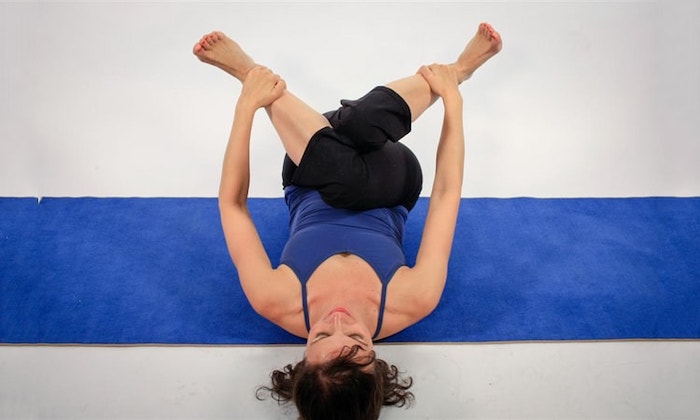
[[339, 310]]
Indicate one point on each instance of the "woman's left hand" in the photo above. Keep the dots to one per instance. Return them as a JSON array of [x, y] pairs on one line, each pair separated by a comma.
[[441, 78], [261, 88]]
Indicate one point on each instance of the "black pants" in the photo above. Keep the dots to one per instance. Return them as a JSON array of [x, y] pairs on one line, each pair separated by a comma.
[[358, 163]]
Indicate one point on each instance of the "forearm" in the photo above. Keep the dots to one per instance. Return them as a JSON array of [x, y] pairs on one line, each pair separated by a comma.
[[449, 168], [438, 232], [235, 173]]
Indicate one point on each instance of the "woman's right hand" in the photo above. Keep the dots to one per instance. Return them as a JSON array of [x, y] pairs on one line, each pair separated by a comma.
[[441, 78], [261, 88]]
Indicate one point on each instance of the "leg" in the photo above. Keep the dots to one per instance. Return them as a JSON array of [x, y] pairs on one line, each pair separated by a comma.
[[415, 90], [386, 177], [296, 123], [293, 119], [359, 163], [388, 173]]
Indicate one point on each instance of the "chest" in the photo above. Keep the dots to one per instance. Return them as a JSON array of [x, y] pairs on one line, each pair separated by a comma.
[[345, 277]]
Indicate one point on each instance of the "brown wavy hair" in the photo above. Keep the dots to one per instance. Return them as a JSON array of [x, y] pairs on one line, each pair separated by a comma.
[[343, 388]]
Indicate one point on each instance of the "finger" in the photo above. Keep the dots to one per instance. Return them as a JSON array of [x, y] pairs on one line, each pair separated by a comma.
[[425, 71], [271, 76], [279, 88]]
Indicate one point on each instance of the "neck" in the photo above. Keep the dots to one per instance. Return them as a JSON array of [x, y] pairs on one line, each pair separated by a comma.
[[363, 309], [347, 282]]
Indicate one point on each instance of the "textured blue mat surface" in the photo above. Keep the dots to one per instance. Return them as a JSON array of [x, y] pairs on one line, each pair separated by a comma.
[[156, 270]]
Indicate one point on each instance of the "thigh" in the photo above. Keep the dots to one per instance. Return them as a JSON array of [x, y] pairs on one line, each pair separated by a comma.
[[394, 177], [345, 178], [369, 122], [327, 162]]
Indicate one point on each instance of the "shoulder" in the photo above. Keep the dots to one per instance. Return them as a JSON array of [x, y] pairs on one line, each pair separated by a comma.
[[282, 305], [407, 301]]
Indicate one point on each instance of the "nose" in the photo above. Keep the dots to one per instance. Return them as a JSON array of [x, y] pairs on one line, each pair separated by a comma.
[[338, 324], [337, 321]]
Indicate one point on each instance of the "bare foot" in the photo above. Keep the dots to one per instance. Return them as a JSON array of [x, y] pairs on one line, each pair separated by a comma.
[[485, 44], [221, 51]]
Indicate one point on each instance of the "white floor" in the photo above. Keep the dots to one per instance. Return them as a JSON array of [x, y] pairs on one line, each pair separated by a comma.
[[576, 380]]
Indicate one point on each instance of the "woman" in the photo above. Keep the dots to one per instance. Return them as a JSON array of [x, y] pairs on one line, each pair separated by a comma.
[[342, 281]]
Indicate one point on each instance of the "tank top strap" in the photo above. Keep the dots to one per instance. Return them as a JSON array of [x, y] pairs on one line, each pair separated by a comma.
[[305, 305], [382, 304]]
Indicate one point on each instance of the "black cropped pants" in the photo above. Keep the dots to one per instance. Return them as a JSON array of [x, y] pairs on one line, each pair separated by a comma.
[[358, 163]]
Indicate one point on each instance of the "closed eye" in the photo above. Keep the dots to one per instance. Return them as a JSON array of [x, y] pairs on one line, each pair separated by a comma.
[[357, 337]]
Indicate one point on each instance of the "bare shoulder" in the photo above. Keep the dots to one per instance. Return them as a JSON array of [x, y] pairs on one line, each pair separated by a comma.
[[282, 305], [406, 302]]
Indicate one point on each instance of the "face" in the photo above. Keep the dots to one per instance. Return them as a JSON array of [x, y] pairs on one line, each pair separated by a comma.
[[337, 330]]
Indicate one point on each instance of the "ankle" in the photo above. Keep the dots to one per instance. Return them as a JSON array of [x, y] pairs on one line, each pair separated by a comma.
[[461, 71], [243, 72]]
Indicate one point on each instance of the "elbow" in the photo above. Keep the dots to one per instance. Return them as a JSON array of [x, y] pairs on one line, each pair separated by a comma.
[[447, 186], [447, 194], [227, 202], [447, 190], [230, 195]]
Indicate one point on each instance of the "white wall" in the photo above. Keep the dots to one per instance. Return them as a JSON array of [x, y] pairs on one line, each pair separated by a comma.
[[586, 99]]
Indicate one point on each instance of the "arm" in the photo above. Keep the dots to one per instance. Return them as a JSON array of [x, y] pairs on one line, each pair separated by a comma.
[[245, 247], [430, 271]]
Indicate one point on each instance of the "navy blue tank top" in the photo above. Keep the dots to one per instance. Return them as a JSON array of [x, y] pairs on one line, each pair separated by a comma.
[[318, 231]]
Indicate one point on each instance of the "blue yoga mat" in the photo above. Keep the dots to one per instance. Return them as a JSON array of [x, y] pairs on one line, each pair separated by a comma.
[[156, 270]]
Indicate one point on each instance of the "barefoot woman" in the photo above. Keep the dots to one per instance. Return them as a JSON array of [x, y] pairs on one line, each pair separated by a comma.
[[342, 281]]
